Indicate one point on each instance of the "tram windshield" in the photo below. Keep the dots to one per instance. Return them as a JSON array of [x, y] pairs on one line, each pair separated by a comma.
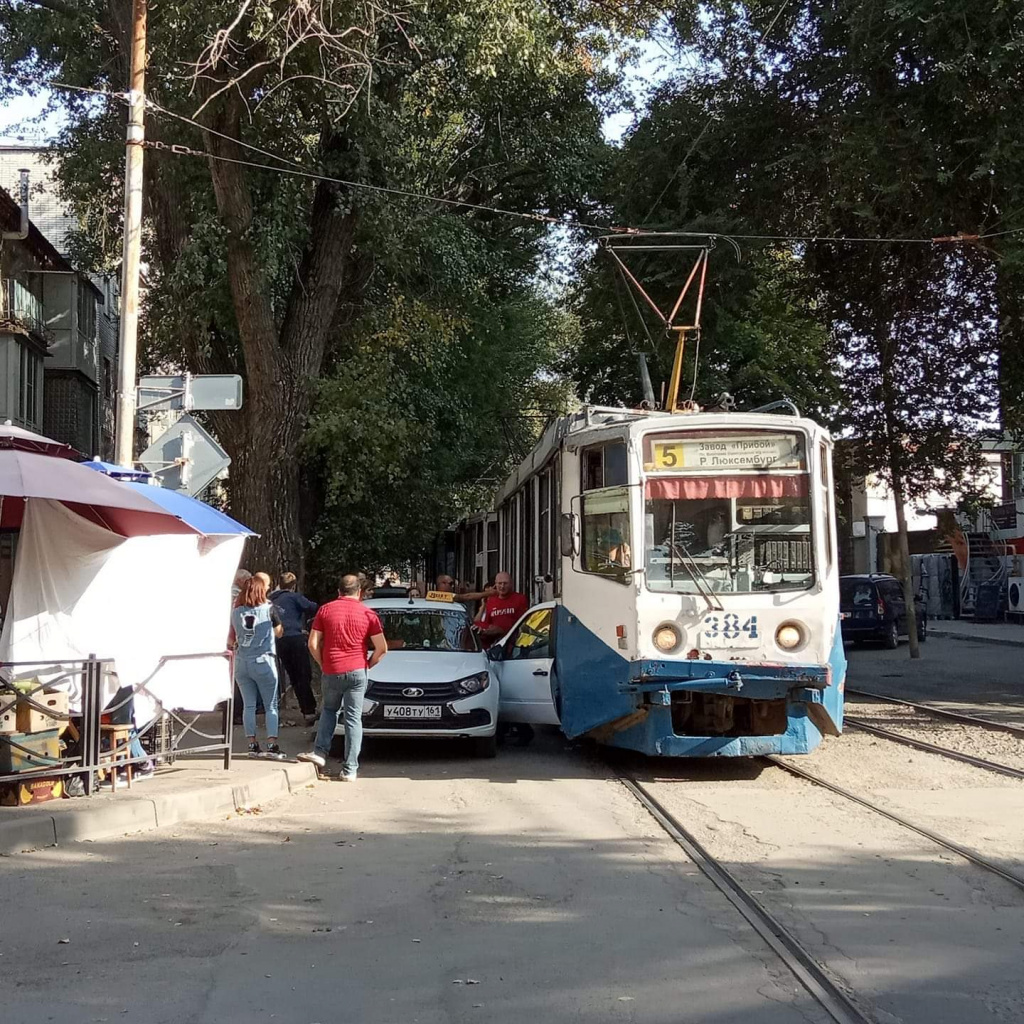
[[728, 532]]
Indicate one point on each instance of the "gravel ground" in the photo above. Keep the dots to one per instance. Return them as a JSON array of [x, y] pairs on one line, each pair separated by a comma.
[[918, 934], [1003, 748]]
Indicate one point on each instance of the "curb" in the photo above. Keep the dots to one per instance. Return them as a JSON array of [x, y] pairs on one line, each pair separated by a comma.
[[119, 816], [951, 635]]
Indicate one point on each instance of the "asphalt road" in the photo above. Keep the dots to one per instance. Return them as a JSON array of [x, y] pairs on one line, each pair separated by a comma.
[[987, 679], [437, 889]]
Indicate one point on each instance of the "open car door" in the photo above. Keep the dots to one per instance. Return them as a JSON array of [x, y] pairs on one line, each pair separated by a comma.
[[523, 662]]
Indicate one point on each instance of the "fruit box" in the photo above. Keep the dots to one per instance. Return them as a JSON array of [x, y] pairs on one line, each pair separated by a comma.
[[32, 751], [31, 719], [35, 791]]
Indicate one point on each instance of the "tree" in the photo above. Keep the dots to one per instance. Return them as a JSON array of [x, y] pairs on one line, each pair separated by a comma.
[[255, 271], [863, 119]]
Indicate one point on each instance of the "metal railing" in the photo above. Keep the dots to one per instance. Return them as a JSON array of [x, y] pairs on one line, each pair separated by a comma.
[[166, 731]]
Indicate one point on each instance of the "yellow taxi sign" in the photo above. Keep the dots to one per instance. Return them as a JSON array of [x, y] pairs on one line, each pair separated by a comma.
[[440, 595]]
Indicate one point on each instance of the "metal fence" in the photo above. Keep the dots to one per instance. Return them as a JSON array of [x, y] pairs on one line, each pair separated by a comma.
[[86, 757]]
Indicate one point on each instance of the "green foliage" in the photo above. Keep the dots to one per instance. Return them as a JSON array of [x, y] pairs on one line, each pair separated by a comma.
[[436, 371]]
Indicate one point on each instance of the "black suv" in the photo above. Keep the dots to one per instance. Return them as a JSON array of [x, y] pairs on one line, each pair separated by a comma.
[[872, 608]]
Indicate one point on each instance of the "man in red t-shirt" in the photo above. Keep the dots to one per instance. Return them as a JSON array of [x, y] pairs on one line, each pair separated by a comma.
[[341, 634], [502, 610]]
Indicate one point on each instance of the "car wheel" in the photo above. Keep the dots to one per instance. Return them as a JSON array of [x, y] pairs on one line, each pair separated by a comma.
[[485, 746], [892, 637]]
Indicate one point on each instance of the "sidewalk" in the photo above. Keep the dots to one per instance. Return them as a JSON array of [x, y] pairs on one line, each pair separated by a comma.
[[1008, 633], [189, 789]]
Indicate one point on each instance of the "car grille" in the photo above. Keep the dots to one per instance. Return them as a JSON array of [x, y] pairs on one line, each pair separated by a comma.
[[432, 692]]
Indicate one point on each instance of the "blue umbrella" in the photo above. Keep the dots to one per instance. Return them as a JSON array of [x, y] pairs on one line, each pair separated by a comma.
[[201, 517], [119, 472]]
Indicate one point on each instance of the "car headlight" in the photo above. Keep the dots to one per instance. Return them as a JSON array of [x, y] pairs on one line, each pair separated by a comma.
[[667, 638], [789, 636], [475, 684]]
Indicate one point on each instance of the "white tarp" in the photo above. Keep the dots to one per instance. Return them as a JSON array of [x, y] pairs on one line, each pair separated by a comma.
[[80, 590]]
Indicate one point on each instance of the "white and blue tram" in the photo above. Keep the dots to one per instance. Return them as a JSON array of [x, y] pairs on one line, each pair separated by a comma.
[[688, 566]]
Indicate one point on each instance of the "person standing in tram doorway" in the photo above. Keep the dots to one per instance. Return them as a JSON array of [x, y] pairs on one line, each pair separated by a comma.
[[254, 628], [502, 609], [296, 610], [342, 632]]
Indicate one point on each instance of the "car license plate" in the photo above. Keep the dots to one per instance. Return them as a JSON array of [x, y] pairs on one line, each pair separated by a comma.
[[412, 710]]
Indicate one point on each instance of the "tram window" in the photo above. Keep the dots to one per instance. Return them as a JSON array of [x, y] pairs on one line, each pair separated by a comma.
[[605, 466], [606, 534], [728, 543], [532, 639]]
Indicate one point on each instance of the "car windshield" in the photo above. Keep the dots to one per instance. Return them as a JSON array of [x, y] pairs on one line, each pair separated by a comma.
[[415, 629]]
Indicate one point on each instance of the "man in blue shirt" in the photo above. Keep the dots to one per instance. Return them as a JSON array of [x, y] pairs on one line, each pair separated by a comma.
[[296, 611]]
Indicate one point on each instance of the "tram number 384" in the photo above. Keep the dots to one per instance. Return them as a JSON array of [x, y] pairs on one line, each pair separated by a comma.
[[730, 630]]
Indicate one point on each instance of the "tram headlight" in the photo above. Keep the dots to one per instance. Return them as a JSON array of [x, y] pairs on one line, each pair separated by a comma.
[[667, 638], [789, 636]]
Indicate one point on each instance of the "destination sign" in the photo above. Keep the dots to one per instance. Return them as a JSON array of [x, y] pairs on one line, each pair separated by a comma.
[[724, 454]]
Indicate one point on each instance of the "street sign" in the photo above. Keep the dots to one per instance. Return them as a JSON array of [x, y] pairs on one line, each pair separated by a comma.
[[185, 457], [189, 391]]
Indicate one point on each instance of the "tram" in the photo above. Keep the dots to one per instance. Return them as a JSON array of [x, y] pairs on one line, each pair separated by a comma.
[[688, 566]]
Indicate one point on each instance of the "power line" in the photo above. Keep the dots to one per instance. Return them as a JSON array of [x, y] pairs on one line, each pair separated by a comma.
[[541, 218], [299, 170]]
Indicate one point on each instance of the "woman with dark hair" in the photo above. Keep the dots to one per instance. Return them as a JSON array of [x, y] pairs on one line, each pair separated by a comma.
[[255, 625]]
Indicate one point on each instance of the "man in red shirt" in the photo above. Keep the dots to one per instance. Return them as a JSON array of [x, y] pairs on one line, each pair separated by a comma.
[[339, 638], [502, 610]]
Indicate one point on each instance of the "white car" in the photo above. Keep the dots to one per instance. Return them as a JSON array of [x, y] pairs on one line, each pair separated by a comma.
[[523, 661], [435, 679]]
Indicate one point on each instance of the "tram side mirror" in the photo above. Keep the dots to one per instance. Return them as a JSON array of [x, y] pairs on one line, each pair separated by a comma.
[[569, 534]]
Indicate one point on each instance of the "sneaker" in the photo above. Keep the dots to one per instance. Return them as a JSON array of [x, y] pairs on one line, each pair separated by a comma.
[[313, 757], [254, 749], [274, 751], [348, 776], [143, 771]]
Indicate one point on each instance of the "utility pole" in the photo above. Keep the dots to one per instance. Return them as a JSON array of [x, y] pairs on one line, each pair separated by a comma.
[[124, 443]]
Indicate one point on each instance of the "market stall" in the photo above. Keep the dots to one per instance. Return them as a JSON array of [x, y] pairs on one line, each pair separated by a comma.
[[126, 583]]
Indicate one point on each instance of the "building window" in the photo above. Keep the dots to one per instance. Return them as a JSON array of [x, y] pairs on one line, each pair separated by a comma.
[[30, 371]]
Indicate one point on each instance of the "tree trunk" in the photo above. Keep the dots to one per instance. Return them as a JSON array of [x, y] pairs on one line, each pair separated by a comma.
[[906, 573], [282, 356]]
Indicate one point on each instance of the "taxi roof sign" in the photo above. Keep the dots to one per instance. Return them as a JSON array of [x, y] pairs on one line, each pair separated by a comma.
[[440, 595]]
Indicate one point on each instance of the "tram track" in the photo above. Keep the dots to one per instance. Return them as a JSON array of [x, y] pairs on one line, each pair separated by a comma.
[[814, 978], [962, 851], [954, 716], [932, 748]]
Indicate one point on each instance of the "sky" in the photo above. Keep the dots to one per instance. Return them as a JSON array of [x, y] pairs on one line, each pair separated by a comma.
[[25, 108]]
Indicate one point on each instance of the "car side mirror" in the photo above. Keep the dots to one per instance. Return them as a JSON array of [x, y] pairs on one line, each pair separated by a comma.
[[494, 652]]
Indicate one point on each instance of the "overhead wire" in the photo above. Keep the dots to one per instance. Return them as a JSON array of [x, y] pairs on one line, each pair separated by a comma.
[[298, 169]]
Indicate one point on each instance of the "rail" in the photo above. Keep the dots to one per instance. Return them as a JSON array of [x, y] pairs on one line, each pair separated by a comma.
[[87, 758]]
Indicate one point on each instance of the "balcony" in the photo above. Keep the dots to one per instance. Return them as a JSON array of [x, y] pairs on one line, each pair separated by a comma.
[[18, 304]]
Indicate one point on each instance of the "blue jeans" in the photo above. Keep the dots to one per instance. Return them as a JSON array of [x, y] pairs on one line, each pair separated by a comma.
[[346, 689], [257, 677]]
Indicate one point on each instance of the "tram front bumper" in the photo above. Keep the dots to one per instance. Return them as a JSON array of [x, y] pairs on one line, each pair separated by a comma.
[[798, 695]]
